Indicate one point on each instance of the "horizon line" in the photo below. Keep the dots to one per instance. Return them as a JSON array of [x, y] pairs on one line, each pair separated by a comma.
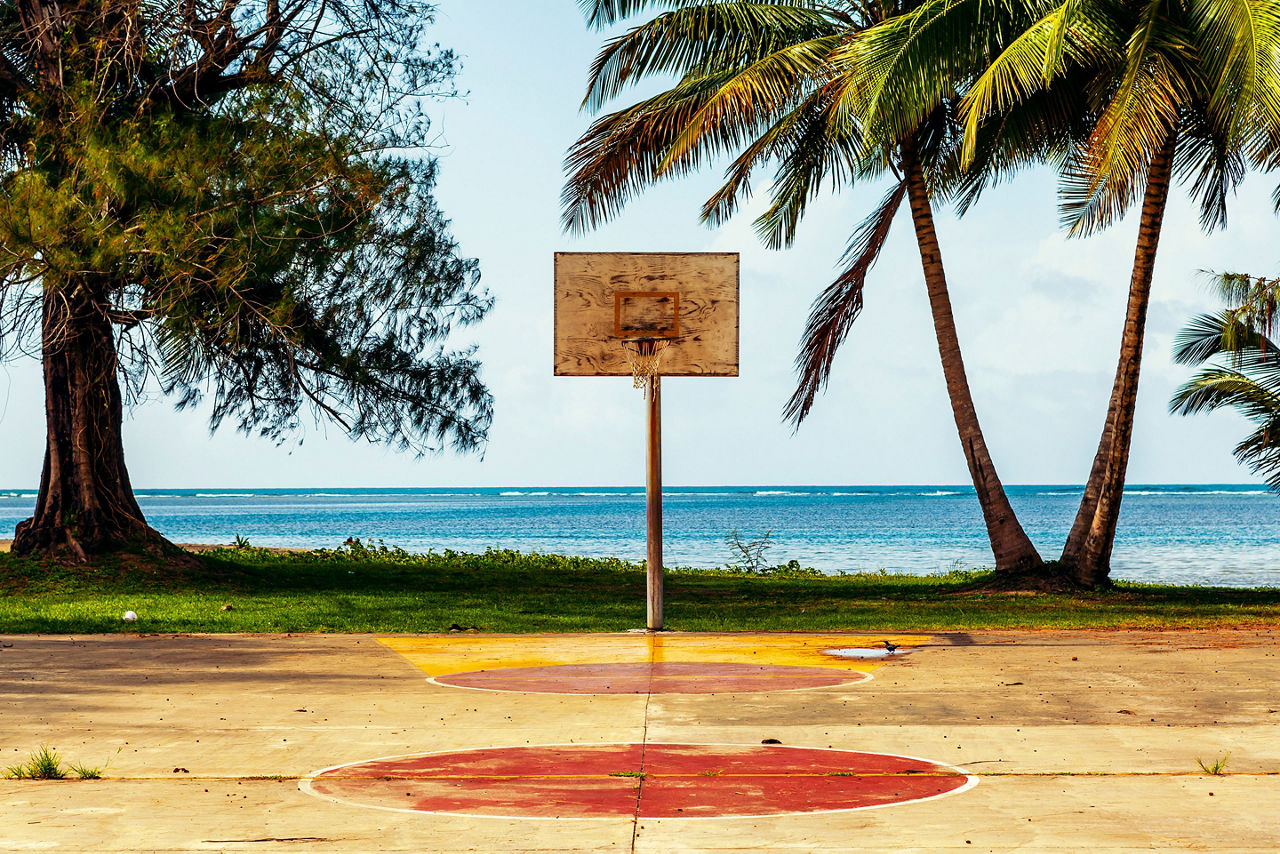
[[1259, 484]]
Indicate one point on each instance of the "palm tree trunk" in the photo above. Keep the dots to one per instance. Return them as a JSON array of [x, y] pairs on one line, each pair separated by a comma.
[[85, 505], [1087, 554], [1012, 547]]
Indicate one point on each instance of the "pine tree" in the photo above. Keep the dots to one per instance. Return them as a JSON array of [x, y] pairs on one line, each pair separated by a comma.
[[228, 200]]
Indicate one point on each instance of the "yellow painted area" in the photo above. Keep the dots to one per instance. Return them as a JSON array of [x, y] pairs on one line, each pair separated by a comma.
[[440, 656]]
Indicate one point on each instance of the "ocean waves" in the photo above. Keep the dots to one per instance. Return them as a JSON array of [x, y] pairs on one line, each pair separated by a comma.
[[728, 492], [1186, 533]]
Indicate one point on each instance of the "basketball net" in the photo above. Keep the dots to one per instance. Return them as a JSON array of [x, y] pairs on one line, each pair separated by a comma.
[[645, 357]]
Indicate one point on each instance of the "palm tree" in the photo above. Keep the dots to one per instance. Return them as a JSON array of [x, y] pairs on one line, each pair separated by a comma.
[[771, 82], [1168, 88], [1248, 377]]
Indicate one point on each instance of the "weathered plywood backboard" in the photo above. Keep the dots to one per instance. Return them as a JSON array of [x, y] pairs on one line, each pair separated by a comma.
[[605, 298]]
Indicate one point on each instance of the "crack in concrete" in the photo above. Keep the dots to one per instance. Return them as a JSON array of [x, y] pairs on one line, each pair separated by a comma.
[[644, 744]]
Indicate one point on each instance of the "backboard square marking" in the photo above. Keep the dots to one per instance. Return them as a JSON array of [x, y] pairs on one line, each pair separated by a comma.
[[646, 314], [587, 317]]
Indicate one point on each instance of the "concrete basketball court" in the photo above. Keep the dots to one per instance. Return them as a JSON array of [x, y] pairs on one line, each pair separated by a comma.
[[992, 741]]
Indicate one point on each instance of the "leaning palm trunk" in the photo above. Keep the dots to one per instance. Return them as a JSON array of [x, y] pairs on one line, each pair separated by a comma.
[[1087, 555], [1012, 547]]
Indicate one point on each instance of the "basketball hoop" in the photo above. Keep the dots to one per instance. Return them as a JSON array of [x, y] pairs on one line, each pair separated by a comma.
[[644, 301], [644, 355]]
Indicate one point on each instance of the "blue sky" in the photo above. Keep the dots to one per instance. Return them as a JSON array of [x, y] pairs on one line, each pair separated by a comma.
[[1039, 318]]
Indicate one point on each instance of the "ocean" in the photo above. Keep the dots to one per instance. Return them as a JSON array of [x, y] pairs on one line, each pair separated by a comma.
[[1187, 534]]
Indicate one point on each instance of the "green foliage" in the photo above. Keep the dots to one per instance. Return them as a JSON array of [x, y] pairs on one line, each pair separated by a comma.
[[748, 559], [377, 588], [757, 81], [1100, 86], [1246, 376], [251, 207], [790, 569], [1217, 767], [43, 764], [86, 772], [827, 95]]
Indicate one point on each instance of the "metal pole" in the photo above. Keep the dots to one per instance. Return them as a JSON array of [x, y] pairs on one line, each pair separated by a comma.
[[653, 503]]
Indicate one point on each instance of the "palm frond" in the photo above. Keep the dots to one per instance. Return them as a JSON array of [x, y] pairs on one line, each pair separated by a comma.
[[1247, 377], [1110, 170], [1200, 339], [1260, 453], [709, 113], [1235, 289], [1217, 388], [1237, 42], [698, 39], [755, 96], [1026, 66], [899, 70], [1252, 302], [603, 13], [838, 306], [1212, 163], [624, 152], [768, 145], [820, 147], [1043, 128]]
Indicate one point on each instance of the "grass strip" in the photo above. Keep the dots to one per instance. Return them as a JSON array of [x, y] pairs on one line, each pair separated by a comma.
[[362, 589]]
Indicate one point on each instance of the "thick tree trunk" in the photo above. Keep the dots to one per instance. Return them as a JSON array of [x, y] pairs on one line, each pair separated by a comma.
[[85, 505], [1087, 554], [1013, 549]]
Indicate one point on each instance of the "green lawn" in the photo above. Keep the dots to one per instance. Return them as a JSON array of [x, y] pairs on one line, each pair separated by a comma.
[[378, 590]]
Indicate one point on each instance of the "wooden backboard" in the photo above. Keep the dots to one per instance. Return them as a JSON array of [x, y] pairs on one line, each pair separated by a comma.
[[604, 298]]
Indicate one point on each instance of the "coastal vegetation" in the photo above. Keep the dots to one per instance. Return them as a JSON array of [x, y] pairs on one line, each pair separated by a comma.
[[1186, 90], [227, 201], [1123, 98], [369, 588], [780, 83], [221, 200], [1246, 375]]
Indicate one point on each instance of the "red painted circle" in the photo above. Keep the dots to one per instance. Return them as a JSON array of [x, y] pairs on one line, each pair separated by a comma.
[[646, 781], [656, 678]]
